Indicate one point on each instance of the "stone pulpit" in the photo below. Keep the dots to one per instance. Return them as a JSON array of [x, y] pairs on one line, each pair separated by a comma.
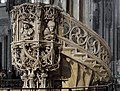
[[35, 48], [50, 46]]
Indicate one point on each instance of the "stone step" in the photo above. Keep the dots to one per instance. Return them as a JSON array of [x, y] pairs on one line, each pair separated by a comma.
[[89, 60], [79, 54], [68, 48]]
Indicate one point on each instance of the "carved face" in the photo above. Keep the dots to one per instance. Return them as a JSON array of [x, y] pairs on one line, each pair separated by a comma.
[[51, 28]]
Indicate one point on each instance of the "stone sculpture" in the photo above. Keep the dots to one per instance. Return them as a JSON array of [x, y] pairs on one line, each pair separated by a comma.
[[33, 46]]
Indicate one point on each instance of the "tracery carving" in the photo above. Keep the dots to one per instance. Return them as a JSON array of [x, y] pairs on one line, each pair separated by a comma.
[[84, 46], [34, 48], [83, 38]]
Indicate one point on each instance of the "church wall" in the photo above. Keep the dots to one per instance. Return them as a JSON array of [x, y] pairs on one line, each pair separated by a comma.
[[3, 37]]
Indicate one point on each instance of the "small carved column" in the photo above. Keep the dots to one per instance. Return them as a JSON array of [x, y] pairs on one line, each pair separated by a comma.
[[35, 49]]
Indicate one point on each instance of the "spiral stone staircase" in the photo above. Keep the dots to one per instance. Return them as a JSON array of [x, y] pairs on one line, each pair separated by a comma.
[[80, 55], [88, 52]]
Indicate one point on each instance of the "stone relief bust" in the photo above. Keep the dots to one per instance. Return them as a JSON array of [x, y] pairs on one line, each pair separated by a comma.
[[27, 32]]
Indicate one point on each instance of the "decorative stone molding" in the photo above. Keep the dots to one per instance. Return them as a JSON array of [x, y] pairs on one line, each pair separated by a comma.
[[34, 47]]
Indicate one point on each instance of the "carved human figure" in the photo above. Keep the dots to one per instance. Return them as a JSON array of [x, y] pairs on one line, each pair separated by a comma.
[[26, 32], [49, 31]]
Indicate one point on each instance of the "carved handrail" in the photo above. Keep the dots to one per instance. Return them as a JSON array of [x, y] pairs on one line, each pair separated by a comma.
[[85, 37]]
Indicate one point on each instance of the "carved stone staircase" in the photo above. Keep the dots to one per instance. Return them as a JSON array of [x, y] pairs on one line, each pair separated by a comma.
[[87, 49], [41, 33]]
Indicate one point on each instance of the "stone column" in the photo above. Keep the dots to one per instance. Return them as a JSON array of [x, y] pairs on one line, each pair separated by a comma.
[[76, 6], [64, 4], [85, 12], [88, 7], [46, 1], [3, 53]]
